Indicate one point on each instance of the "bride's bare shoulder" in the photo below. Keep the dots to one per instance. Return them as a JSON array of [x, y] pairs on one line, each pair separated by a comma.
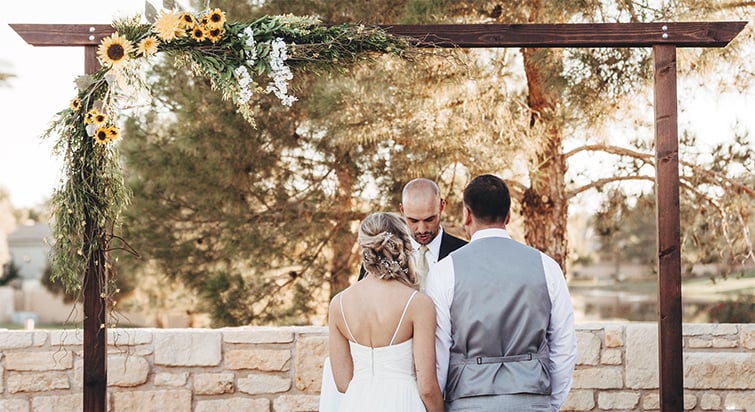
[[424, 303], [335, 301]]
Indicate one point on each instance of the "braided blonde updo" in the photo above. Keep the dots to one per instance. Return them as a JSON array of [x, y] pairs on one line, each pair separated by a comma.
[[386, 249]]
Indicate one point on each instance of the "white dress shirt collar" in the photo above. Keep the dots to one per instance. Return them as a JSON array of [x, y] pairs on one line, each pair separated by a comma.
[[492, 232]]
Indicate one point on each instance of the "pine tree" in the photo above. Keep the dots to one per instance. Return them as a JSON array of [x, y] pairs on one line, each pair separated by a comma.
[[261, 222], [545, 119]]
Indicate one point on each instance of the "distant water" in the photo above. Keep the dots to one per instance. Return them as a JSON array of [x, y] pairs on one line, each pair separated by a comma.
[[602, 305]]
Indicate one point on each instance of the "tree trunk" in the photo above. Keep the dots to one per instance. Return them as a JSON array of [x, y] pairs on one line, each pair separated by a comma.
[[544, 203], [344, 237]]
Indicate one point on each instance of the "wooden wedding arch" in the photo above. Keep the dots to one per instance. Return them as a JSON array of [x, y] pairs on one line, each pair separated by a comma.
[[663, 37]]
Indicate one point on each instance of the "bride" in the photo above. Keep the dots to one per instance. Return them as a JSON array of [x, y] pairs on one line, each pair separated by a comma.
[[382, 330]]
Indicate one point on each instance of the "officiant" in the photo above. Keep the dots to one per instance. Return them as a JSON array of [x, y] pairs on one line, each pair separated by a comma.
[[421, 207]]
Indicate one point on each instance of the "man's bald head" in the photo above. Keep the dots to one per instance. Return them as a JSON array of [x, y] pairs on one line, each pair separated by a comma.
[[421, 206], [420, 189]]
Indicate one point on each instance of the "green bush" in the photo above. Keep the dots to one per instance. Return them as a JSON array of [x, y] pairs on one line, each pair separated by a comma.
[[10, 272], [740, 310]]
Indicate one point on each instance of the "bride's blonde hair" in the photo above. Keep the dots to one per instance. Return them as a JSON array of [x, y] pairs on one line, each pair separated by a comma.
[[386, 248]]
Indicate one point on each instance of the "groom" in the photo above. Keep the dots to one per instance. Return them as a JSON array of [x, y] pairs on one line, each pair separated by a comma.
[[505, 339]]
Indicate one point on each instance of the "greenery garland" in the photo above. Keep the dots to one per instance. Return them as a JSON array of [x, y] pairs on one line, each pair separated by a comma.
[[233, 56]]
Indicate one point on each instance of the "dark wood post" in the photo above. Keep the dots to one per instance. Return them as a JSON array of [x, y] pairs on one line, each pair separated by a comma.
[[95, 278], [667, 217]]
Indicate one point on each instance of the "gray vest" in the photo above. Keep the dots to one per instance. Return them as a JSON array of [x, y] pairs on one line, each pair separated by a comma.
[[499, 316]]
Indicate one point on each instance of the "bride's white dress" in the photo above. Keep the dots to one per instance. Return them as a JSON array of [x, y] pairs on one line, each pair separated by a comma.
[[384, 378]]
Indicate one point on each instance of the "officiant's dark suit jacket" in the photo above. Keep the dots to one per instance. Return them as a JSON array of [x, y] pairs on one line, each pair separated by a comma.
[[448, 243]]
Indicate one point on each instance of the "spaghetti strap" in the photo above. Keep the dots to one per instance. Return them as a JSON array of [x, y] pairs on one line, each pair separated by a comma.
[[340, 301], [400, 320]]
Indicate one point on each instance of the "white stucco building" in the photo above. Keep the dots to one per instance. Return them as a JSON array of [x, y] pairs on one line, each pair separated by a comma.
[[29, 247]]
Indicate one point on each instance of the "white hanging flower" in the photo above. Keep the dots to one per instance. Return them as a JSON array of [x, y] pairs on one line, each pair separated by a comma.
[[251, 46], [244, 80], [280, 73]]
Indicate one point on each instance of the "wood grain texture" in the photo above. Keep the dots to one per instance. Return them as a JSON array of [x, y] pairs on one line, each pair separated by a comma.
[[669, 233], [692, 34], [95, 306], [680, 34], [63, 34]]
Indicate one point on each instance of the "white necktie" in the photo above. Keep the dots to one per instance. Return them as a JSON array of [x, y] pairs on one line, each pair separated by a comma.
[[422, 266]]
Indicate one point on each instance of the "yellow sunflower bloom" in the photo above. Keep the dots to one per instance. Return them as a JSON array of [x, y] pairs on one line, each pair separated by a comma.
[[113, 133], [90, 116], [99, 118], [75, 104], [101, 135], [167, 27], [198, 34], [114, 50], [148, 46], [215, 18], [187, 20], [215, 34]]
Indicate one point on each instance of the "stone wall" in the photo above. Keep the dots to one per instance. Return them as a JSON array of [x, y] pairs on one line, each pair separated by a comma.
[[617, 367], [279, 369]]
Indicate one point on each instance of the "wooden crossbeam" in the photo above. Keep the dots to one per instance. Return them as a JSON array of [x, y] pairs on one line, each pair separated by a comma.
[[692, 34], [678, 34]]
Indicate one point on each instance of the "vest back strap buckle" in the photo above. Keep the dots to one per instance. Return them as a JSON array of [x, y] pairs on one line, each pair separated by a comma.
[[502, 359]]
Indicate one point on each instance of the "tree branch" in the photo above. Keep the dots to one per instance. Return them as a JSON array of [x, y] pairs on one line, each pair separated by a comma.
[[602, 182], [616, 150], [719, 178], [704, 197], [736, 4], [517, 189], [707, 175]]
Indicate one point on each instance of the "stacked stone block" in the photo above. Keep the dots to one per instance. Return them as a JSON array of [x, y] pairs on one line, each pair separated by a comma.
[[617, 368], [275, 369], [250, 369]]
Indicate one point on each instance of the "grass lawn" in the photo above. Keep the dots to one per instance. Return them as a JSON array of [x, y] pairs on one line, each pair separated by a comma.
[[18, 326], [701, 287]]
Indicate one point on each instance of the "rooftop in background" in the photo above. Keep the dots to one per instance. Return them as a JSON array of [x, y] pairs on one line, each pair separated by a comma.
[[26, 233]]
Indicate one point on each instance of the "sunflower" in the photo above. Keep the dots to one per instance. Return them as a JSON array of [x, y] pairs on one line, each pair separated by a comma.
[[90, 116], [113, 133], [215, 18], [215, 34], [148, 46], [114, 50], [75, 104], [198, 34], [101, 135], [99, 118], [168, 26], [187, 21]]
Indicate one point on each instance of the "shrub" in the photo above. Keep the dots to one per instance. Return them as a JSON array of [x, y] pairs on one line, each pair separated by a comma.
[[740, 310], [10, 272]]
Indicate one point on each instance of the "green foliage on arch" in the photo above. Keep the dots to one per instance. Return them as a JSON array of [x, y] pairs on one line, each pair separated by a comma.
[[240, 59]]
